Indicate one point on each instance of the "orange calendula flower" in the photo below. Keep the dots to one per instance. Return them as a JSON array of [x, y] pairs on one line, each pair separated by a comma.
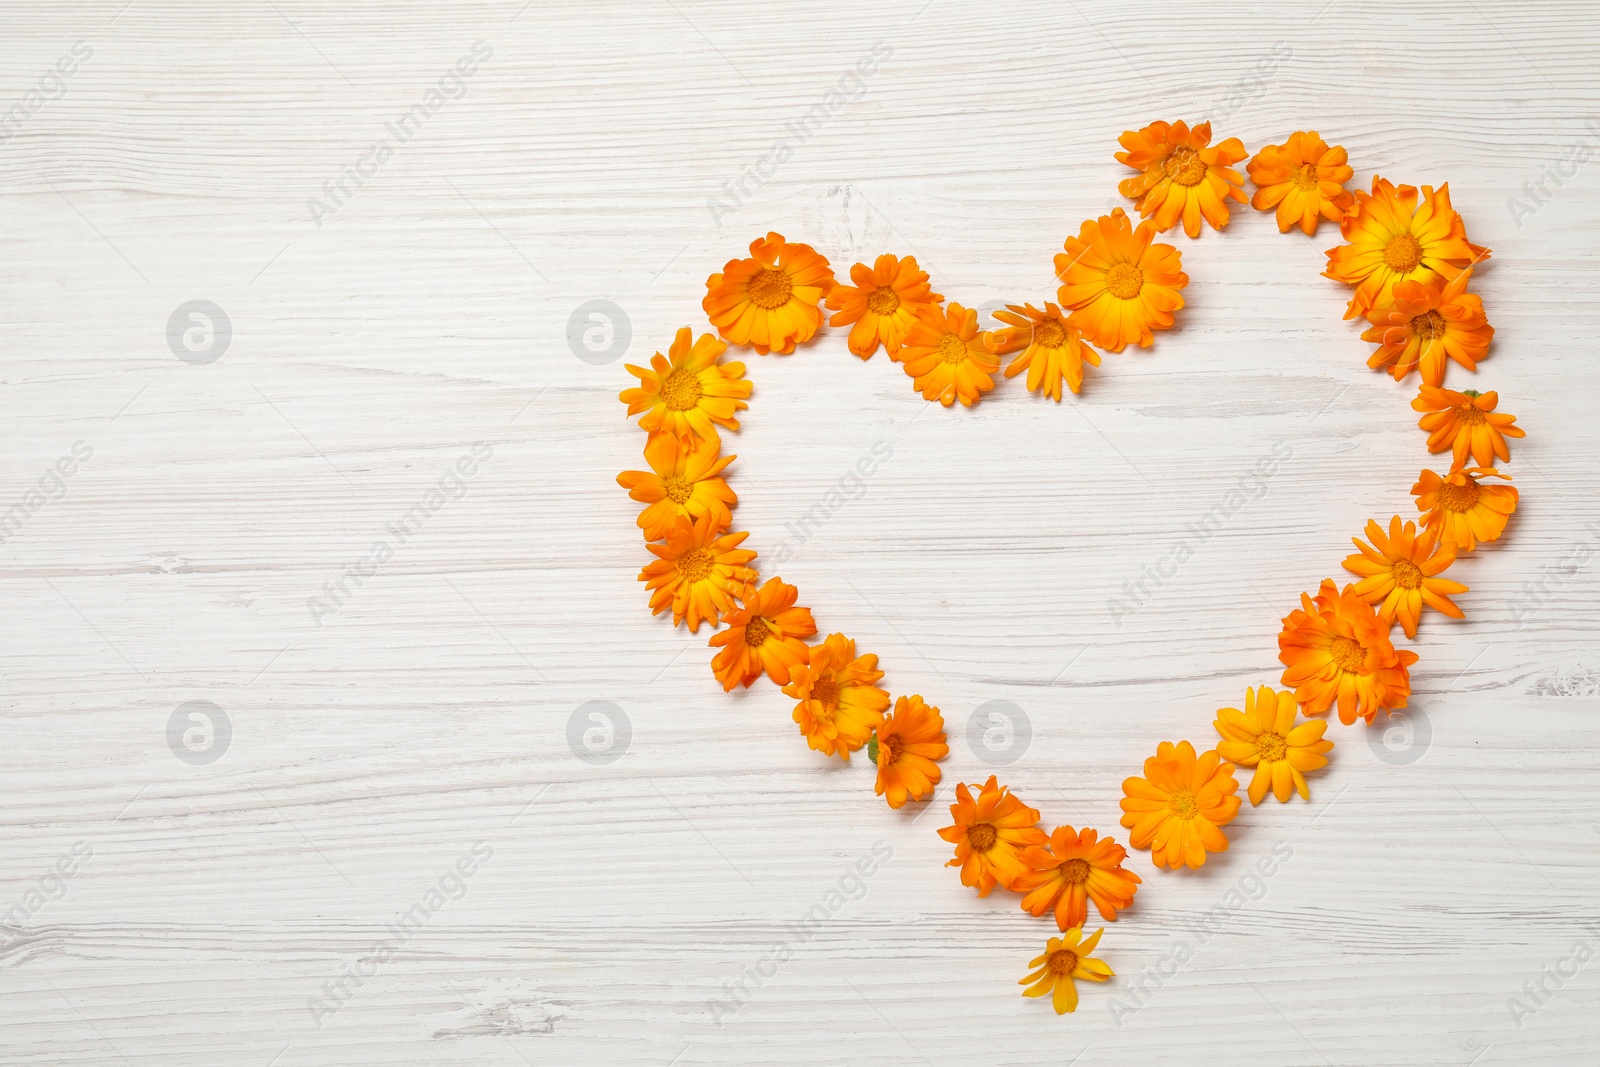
[[1462, 511], [882, 305], [1336, 648], [1077, 866], [947, 358], [1052, 351], [698, 572], [1182, 178], [840, 702], [691, 394], [1466, 424], [1425, 323], [769, 301], [1390, 239], [1400, 573], [1303, 179], [990, 834], [1119, 286], [1178, 808], [683, 482], [1066, 958], [905, 749], [1265, 737], [766, 633]]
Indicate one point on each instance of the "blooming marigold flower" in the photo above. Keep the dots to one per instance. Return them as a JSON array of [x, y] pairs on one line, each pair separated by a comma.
[[905, 748], [683, 482], [1119, 286], [990, 834], [1075, 867], [1178, 808], [1304, 179], [691, 394], [1337, 648], [698, 572], [840, 702], [882, 304], [1052, 351], [1424, 323], [1065, 958], [1265, 737], [1399, 573], [1466, 423], [1181, 177], [769, 301], [1462, 511], [765, 633], [1390, 239], [947, 358]]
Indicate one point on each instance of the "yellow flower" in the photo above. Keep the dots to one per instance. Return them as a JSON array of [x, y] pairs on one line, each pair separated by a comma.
[[1265, 737], [1400, 572], [1053, 351], [684, 482], [1180, 177], [1304, 179], [1065, 958], [882, 304], [691, 394], [769, 301], [946, 357], [1119, 286]]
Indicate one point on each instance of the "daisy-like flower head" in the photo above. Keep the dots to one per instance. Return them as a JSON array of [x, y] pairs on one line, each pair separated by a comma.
[[766, 633], [1180, 177], [698, 572], [1336, 648], [1119, 286], [946, 357], [1178, 808], [906, 749], [1466, 424], [1425, 323], [1077, 866], [1390, 239], [1303, 179], [1461, 510], [691, 394], [769, 301], [1400, 572], [840, 703], [882, 304], [1052, 350], [1065, 959], [990, 834], [684, 482], [1265, 737]]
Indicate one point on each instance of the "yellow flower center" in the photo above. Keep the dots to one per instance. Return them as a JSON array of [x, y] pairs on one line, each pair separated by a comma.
[[694, 565], [678, 488], [1185, 166], [1182, 804], [1271, 747], [981, 836], [1407, 575], [1459, 497], [1349, 655], [888, 749], [1471, 414], [952, 349], [756, 631], [825, 691], [1428, 325], [770, 288], [1402, 253], [1075, 871], [681, 390], [1125, 281], [1062, 961], [1049, 334], [1305, 177], [883, 300]]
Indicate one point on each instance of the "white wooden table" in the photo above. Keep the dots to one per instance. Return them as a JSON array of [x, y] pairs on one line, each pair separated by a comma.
[[405, 745]]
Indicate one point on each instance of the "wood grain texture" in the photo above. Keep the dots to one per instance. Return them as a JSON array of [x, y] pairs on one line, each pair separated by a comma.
[[376, 746]]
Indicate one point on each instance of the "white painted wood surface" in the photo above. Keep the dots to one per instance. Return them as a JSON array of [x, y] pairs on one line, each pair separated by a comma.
[[371, 752]]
